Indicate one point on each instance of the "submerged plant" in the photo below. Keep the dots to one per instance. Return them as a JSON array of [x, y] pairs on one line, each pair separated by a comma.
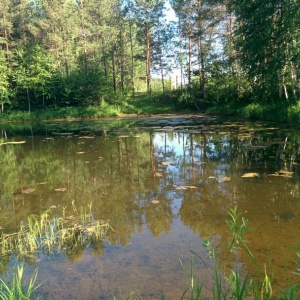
[[49, 235]]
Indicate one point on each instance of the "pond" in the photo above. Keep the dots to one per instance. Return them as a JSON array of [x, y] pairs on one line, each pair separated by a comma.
[[164, 185]]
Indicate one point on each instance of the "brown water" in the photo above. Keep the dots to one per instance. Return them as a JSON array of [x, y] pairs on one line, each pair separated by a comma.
[[192, 166]]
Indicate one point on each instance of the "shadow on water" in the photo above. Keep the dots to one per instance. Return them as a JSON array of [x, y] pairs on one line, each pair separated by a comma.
[[164, 184]]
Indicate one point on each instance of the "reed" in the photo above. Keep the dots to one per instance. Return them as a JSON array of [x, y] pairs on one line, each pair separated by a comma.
[[49, 235], [15, 288], [194, 290], [237, 285]]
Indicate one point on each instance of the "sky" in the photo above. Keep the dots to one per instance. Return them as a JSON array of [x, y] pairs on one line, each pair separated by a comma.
[[170, 12], [170, 16]]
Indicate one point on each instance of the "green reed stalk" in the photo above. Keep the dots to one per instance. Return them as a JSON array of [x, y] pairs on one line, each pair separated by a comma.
[[16, 288], [52, 234], [235, 286], [195, 290]]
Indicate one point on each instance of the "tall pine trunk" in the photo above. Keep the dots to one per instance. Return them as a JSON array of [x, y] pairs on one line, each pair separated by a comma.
[[148, 59], [132, 59]]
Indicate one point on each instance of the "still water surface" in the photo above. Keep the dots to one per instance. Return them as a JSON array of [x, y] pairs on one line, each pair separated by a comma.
[[164, 184]]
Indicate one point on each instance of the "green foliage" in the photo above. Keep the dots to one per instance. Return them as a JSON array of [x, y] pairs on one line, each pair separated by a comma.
[[83, 53], [238, 285], [4, 81], [16, 288], [79, 88], [293, 293], [293, 114], [193, 290], [266, 35], [48, 234]]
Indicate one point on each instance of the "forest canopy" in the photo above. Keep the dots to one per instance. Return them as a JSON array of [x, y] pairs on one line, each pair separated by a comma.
[[86, 52]]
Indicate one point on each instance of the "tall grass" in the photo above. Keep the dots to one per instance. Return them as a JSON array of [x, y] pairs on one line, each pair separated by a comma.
[[52, 113], [140, 104], [281, 112], [15, 288], [293, 114], [194, 290], [48, 234], [236, 284]]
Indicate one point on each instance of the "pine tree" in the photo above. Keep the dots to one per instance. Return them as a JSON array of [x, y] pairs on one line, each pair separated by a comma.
[[4, 80]]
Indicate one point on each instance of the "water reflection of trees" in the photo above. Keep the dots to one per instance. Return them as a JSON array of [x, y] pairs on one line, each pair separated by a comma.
[[123, 173]]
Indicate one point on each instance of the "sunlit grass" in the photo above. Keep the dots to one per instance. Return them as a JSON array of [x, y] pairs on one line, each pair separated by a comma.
[[140, 104], [49, 234], [281, 112], [293, 113], [236, 284], [15, 288], [52, 113]]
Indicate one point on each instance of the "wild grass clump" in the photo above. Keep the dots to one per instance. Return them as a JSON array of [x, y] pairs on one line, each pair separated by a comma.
[[232, 283], [16, 116], [154, 104], [270, 112], [74, 112], [254, 111], [140, 104], [69, 112], [293, 113], [50, 234], [15, 288]]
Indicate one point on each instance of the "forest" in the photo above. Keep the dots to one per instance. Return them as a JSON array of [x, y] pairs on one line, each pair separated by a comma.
[[83, 53]]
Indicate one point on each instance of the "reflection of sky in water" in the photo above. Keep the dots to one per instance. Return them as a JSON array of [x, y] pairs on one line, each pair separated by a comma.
[[173, 141], [176, 201]]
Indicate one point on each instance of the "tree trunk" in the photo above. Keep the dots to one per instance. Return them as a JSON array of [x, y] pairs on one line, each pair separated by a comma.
[[6, 41], [113, 61], [294, 80], [161, 62], [122, 60], [132, 59], [190, 59], [148, 60], [202, 80], [279, 84], [201, 51], [180, 56]]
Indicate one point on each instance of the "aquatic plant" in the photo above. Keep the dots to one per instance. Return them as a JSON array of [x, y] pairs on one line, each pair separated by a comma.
[[236, 285], [194, 289], [48, 234], [15, 288]]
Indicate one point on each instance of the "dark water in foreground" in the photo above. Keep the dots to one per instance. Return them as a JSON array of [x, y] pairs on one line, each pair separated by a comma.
[[191, 166]]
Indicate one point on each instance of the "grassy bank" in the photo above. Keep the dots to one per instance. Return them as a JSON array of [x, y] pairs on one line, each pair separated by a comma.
[[283, 113], [157, 104], [141, 104]]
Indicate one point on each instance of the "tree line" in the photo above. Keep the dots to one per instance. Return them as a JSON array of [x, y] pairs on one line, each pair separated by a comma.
[[240, 50], [85, 52]]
